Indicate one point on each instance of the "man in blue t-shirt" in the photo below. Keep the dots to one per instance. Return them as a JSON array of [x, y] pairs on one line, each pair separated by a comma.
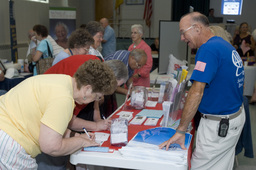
[[133, 60], [217, 92], [109, 38]]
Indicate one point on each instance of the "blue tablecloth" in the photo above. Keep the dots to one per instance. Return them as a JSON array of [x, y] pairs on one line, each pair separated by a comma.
[[7, 84]]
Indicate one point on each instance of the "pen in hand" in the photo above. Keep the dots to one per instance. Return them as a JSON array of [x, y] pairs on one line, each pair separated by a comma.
[[86, 133]]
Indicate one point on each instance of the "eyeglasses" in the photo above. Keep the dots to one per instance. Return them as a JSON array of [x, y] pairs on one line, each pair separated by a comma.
[[86, 49], [183, 32], [138, 65], [98, 97]]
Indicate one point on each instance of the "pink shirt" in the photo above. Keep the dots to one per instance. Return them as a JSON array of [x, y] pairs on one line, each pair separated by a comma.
[[144, 71]]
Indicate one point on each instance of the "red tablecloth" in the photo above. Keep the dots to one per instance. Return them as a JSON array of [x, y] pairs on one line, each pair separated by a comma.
[[134, 129]]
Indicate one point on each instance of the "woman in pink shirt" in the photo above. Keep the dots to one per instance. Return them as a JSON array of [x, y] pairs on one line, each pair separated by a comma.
[[141, 76]]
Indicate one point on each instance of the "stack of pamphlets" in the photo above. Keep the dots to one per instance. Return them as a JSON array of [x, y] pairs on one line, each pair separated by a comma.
[[145, 146]]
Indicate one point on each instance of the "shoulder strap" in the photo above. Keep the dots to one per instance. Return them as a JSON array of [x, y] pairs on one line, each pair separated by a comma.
[[70, 51], [49, 51]]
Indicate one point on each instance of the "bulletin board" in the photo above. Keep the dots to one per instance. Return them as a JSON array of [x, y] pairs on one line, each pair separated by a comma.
[[170, 43]]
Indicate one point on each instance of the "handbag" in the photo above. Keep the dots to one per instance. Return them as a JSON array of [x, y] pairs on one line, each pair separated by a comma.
[[31, 66], [45, 63]]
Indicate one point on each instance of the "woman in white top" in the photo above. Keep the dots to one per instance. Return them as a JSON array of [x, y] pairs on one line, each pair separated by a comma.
[[96, 31]]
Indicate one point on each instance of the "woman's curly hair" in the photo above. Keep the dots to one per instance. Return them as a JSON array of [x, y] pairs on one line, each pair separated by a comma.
[[80, 38], [98, 75]]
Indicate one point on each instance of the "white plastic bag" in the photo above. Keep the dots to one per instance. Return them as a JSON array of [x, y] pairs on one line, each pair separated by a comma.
[[174, 64]]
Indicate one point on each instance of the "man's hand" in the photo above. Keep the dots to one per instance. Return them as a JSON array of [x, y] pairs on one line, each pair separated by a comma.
[[176, 138], [103, 124]]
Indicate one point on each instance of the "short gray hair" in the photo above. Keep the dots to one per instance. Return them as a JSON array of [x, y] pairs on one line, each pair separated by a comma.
[[138, 54], [93, 27], [119, 68], [138, 27], [63, 25]]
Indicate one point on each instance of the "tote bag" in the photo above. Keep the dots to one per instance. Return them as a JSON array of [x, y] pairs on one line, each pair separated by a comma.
[[45, 63]]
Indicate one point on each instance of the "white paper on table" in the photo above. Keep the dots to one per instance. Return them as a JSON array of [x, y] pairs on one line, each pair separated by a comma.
[[151, 103], [124, 112], [101, 137]]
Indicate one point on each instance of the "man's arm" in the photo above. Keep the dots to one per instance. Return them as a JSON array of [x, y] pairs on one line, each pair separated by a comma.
[[121, 90], [193, 100]]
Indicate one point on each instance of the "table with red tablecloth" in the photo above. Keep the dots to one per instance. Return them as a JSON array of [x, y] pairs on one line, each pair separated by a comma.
[[115, 159]]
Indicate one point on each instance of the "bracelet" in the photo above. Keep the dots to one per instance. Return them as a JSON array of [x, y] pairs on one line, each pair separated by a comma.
[[181, 132]]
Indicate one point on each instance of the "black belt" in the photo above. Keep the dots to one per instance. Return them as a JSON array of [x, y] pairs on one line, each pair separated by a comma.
[[219, 117]]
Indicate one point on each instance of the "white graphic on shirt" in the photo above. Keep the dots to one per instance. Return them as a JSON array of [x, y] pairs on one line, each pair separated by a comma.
[[237, 62]]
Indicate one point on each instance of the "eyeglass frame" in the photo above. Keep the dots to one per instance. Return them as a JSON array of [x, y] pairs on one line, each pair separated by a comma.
[[137, 64], [183, 32]]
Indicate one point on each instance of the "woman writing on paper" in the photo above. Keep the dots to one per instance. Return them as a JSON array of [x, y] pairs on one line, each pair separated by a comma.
[[35, 114]]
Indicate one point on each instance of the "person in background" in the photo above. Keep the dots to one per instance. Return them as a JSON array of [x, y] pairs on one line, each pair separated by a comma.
[[211, 16], [109, 38], [141, 76], [253, 98], [133, 60], [2, 79], [61, 32], [220, 32], [245, 44], [79, 43], [43, 47], [216, 95], [33, 42], [155, 46], [96, 31], [28, 127]]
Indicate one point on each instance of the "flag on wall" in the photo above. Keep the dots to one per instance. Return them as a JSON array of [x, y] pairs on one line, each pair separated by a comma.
[[148, 12], [118, 3]]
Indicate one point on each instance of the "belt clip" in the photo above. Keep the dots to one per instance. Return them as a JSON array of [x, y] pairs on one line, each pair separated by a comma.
[[204, 116]]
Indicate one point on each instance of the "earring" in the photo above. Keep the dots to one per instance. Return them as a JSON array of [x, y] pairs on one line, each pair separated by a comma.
[[84, 98]]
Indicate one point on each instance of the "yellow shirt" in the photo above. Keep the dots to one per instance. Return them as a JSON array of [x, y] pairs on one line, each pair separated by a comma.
[[43, 98]]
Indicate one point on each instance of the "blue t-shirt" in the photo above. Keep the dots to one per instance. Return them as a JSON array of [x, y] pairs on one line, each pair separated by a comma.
[[61, 56], [109, 47], [219, 66], [122, 55]]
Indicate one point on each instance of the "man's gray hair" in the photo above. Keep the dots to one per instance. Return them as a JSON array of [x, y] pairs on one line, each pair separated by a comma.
[[138, 27], [138, 54], [119, 68]]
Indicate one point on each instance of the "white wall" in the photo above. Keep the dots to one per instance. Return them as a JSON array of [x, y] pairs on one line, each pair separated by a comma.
[[133, 14], [248, 13]]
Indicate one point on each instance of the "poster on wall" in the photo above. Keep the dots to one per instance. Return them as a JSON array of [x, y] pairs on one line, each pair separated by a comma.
[[62, 23]]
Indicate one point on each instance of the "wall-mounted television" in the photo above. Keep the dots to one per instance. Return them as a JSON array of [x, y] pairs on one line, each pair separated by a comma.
[[231, 7]]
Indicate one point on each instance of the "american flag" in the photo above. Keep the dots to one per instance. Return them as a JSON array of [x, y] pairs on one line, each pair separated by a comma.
[[148, 12]]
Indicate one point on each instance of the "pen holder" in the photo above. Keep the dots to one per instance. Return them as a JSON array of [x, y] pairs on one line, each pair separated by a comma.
[[119, 132], [139, 97]]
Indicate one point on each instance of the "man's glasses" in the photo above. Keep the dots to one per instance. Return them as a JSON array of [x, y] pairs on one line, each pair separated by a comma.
[[138, 65], [183, 32]]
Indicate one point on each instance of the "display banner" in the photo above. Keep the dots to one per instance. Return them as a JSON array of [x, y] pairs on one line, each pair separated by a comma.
[[62, 16], [13, 35]]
